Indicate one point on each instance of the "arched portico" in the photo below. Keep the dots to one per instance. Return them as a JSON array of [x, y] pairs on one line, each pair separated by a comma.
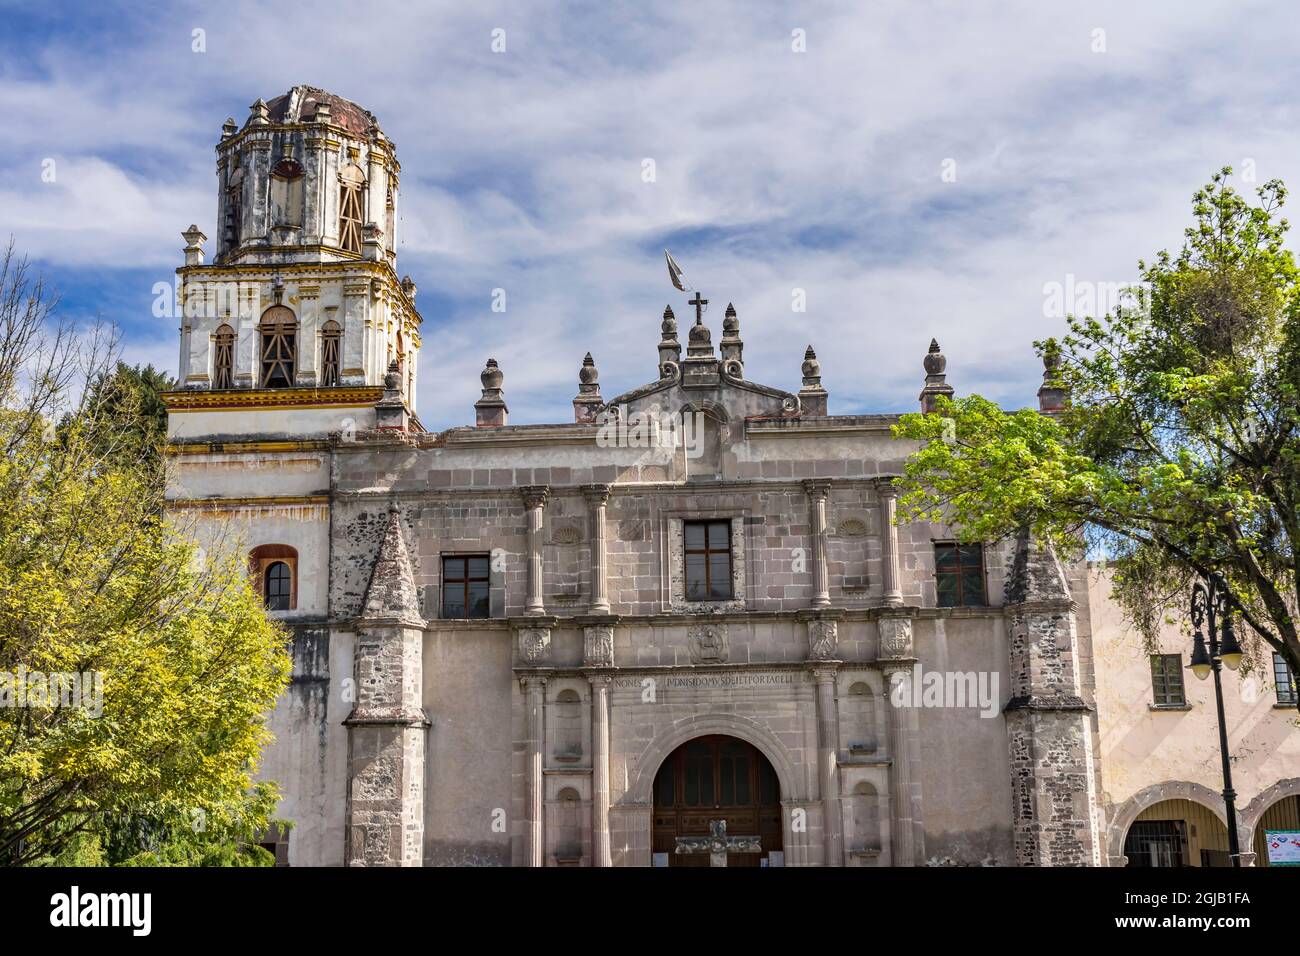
[[1127, 812], [801, 810], [1266, 813]]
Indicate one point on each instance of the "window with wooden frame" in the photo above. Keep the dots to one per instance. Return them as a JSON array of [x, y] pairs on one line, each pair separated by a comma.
[[959, 575], [707, 548], [1283, 680], [223, 357], [1167, 687], [274, 570], [331, 338], [279, 333], [466, 583], [352, 184]]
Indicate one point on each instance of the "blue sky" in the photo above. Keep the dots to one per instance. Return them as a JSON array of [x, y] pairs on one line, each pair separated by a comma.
[[1075, 153]]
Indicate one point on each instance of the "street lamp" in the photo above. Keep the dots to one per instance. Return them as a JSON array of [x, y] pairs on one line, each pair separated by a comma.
[[1210, 610]]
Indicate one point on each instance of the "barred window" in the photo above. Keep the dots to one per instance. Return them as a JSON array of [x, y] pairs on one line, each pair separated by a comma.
[[331, 337], [279, 347], [351, 208], [223, 357], [959, 575], [1167, 680], [234, 206]]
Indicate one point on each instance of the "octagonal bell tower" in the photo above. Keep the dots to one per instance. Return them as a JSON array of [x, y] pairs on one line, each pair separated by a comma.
[[299, 326]]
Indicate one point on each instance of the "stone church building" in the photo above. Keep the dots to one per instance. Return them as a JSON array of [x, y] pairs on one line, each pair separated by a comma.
[[681, 628]]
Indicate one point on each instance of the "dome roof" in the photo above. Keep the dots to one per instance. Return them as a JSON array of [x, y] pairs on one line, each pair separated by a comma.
[[299, 105]]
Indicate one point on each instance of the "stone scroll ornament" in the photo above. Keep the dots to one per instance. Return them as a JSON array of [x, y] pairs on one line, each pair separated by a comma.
[[598, 645], [823, 640], [534, 644], [708, 643]]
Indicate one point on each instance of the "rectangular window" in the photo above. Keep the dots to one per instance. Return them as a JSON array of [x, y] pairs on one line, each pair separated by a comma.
[[465, 582], [708, 560], [959, 575], [1283, 680], [1167, 680]]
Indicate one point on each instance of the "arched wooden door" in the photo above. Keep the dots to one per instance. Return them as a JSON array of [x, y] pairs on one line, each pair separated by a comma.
[[716, 778]]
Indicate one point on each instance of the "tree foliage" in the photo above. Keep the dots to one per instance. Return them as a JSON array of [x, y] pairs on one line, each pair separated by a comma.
[[94, 581], [1179, 450]]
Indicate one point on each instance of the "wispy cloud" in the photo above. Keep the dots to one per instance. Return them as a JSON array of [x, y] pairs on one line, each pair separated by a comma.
[[775, 170]]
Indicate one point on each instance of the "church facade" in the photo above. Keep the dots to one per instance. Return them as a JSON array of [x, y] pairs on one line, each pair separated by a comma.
[[682, 628]]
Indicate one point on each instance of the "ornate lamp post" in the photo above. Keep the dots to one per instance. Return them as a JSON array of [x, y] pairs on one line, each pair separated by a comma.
[[1210, 610]]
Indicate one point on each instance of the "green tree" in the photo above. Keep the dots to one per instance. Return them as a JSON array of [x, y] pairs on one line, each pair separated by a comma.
[[170, 651], [130, 411], [1178, 452]]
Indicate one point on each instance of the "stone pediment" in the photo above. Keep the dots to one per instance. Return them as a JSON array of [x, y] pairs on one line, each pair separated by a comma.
[[707, 385]]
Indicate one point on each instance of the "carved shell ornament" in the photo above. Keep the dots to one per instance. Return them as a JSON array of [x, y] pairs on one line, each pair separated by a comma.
[[852, 528], [566, 535]]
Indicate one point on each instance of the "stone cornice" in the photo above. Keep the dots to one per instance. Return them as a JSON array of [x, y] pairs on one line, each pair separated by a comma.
[[197, 400], [177, 448], [248, 502]]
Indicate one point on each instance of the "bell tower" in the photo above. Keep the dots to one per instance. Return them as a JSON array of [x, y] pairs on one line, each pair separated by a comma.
[[301, 309]]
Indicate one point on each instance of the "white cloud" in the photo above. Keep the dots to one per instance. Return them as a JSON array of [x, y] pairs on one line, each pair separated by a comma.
[[775, 169]]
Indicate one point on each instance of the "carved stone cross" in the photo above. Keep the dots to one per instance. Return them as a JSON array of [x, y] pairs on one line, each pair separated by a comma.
[[717, 844]]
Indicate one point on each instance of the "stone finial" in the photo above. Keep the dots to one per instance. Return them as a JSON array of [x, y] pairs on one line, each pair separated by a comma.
[[229, 128], [670, 350], [732, 348], [194, 240], [490, 410], [699, 341], [322, 115], [391, 592], [391, 413], [669, 325], [1053, 396], [812, 397], [372, 242], [588, 401], [811, 368], [409, 288], [258, 114], [936, 383]]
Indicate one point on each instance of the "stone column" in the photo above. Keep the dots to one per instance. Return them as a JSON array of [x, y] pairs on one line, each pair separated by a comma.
[[600, 851], [534, 687], [889, 577], [535, 501], [828, 736], [597, 498], [818, 492], [907, 834]]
